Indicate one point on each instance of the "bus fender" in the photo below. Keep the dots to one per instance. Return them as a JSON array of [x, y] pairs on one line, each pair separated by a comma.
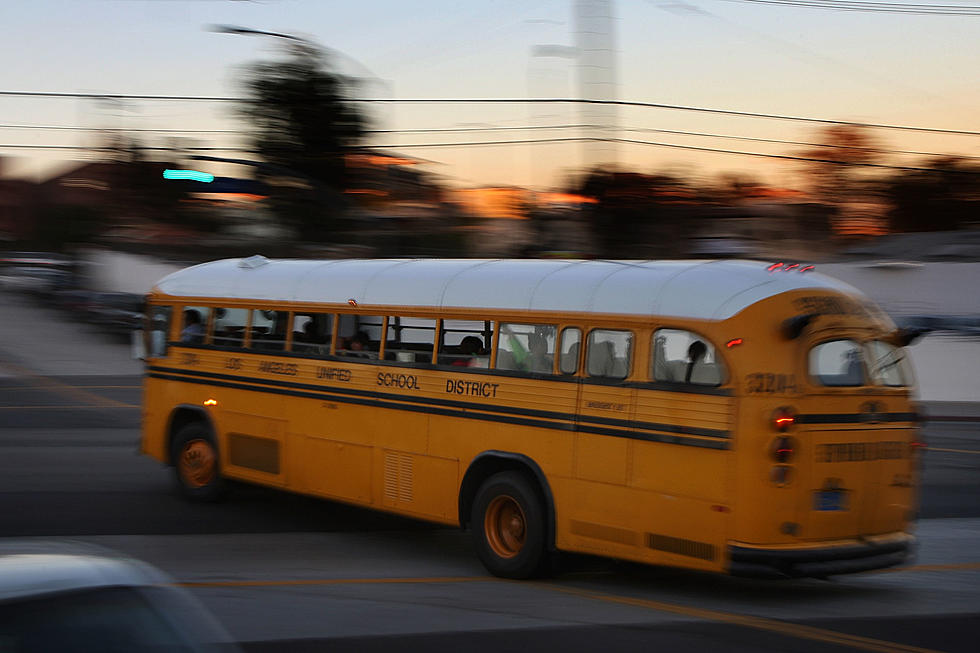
[[181, 416], [489, 463]]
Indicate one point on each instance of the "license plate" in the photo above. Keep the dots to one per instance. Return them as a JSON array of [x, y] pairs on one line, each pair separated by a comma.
[[827, 500]]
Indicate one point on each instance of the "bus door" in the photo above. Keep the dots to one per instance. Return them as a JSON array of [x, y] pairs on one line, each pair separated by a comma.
[[605, 408]]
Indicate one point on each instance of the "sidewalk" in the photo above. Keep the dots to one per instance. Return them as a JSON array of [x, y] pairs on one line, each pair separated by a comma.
[[47, 341]]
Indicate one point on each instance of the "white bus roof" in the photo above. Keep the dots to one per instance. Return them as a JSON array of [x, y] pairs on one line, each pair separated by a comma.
[[710, 290]]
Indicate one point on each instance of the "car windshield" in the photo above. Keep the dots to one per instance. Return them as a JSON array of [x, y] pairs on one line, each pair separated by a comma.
[[107, 620]]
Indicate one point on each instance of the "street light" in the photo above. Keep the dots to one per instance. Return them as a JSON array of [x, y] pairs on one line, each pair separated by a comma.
[[363, 71]]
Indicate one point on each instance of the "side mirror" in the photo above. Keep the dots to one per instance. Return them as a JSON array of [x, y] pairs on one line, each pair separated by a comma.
[[906, 336], [137, 345]]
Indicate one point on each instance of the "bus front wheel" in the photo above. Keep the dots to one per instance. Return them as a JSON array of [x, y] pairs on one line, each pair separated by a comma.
[[195, 460], [508, 525]]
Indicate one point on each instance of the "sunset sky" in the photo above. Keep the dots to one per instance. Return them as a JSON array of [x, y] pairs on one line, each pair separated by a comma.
[[917, 70]]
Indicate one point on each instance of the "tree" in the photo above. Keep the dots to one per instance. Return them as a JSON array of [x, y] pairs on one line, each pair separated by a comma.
[[841, 178], [943, 198], [302, 124], [636, 215]]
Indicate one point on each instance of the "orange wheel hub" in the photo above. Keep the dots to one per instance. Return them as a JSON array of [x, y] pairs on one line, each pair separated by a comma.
[[505, 526], [197, 463]]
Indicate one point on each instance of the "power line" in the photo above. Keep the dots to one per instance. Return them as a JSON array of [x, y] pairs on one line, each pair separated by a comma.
[[673, 146], [875, 7], [679, 107], [786, 142], [538, 141], [625, 103], [440, 130], [532, 141], [790, 157]]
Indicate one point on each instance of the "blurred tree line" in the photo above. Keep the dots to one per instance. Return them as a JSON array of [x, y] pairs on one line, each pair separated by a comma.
[[304, 126]]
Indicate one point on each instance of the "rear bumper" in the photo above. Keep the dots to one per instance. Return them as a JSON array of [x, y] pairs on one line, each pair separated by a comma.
[[844, 557]]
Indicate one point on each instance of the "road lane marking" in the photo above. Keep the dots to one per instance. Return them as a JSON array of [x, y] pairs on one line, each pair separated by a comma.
[[973, 451], [69, 390], [953, 566], [335, 581], [797, 631], [64, 407]]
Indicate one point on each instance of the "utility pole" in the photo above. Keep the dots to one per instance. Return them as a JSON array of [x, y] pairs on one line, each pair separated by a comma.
[[596, 46]]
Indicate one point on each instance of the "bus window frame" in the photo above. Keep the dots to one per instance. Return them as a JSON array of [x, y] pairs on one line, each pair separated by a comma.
[[726, 376], [608, 380]]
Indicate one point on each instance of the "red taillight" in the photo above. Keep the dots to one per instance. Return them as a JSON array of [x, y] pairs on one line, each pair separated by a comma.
[[783, 418], [783, 449], [734, 342]]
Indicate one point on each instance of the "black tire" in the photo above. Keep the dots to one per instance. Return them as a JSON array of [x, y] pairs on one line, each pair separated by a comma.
[[509, 526], [197, 469]]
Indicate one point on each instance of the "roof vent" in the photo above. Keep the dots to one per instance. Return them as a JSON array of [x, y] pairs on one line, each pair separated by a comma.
[[253, 262]]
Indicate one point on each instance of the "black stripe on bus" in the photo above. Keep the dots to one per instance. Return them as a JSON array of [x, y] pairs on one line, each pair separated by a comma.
[[467, 414], [854, 418], [453, 403]]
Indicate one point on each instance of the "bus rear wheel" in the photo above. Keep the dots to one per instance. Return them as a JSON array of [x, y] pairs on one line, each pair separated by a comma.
[[195, 460], [508, 525]]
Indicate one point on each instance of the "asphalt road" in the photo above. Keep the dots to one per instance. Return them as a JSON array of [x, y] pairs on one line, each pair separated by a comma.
[[290, 573]]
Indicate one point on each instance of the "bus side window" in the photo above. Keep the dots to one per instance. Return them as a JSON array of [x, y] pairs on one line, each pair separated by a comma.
[[609, 353], [229, 327], [571, 345], [680, 356], [465, 343], [311, 333], [193, 328], [527, 348], [269, 330], [410, 339], [359, 336]]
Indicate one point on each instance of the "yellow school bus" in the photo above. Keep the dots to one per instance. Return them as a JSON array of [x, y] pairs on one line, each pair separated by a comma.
[[730, 416]]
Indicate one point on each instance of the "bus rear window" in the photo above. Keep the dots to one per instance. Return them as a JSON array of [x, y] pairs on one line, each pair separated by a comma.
[[837, 363], [886, 364]]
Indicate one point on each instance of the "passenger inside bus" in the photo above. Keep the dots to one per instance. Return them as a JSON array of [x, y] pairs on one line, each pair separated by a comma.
[[193, 332]]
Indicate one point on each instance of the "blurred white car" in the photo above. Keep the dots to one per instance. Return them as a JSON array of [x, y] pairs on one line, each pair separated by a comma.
[[71, 598]]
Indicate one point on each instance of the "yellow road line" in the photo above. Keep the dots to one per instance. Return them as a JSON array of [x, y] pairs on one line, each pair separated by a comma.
[[953, 566], [90, 387], [65, 407], [337, 581], [797, 631], [953, 450], [69, 390]]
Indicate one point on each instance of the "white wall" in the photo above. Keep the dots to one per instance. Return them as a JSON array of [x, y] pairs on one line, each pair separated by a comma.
[[109, 271], [947, 366]]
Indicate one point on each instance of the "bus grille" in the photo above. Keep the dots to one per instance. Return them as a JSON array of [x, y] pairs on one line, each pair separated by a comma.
[[680, 546], [399, 476]]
